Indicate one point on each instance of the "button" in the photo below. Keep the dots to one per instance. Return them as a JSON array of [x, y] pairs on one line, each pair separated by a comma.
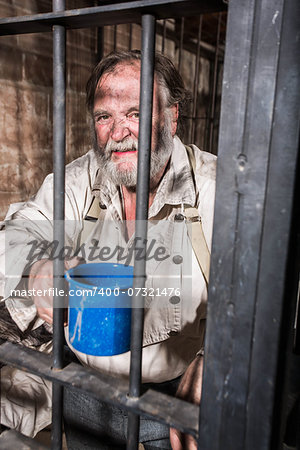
[[177, 259], [173, 333], [179, 217], [174, 300]]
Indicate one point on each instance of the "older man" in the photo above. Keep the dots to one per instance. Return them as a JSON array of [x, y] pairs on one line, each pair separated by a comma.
[[180, 179]]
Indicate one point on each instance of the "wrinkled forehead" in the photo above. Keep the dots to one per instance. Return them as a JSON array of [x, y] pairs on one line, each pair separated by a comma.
[[122, 77], [124, 82]]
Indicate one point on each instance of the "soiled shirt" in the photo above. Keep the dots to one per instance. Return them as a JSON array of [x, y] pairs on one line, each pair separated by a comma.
[[173, 333]]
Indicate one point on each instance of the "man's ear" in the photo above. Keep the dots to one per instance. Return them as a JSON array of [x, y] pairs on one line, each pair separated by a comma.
[[174, 118]]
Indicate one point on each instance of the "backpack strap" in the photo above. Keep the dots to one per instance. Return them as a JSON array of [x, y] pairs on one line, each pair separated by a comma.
[[195, 229]]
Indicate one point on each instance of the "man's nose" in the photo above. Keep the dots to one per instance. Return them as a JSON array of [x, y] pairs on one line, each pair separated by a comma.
[[120, 130]]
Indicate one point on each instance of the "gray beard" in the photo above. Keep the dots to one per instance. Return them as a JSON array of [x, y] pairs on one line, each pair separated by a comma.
[[128, 177]]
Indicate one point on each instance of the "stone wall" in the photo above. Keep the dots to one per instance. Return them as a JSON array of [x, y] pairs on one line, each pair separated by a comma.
[[26, 102]]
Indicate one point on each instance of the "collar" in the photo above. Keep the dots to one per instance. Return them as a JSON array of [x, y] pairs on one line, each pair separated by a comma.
[[177, 186], [108, 194]]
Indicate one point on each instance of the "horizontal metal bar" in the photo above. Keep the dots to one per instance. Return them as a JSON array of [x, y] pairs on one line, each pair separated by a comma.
[[163, 408], [107, 15], [12, 439]]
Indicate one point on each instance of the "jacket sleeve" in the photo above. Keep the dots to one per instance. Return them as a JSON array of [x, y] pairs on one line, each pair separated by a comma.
[[29, 237]]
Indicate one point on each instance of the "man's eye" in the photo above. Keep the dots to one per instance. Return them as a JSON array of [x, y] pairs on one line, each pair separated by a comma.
[[104, 118], [134, 116]]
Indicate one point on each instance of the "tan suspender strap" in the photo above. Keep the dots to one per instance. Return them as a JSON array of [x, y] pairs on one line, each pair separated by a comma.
[[191, 156], [197, 238], [195, 230], [90, 219], [94, 211]]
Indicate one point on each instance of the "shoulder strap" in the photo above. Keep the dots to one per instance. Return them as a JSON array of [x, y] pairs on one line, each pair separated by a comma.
[[191, 156], [194, 225], [94, 211], [198, 241], [195, 229], [90, 219]]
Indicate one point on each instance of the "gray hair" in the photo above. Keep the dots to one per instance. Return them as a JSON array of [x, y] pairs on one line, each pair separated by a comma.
[[167, 76]]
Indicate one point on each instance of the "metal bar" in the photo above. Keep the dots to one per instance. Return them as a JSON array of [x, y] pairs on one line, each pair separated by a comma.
[[255, 183], [275, 296], [100, 42], [164, 408], [190, 45], [214, 89], [196, 81], [59, 137], [130, 37], [163, 40], [107, 15], [297, 320], [180, 43], [57, 414], [142, 202], [289, 371], [115, 37], [100, 38]]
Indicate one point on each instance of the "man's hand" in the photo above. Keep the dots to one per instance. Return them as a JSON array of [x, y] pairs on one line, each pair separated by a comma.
[[190, 389], [41, 278]]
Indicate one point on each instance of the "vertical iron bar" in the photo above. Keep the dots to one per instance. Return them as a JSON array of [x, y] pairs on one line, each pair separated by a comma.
[[100, 42], [181, 43], [142, 201], [214, 91], [100, 38], [130, 37], [115, 37], [196, 82], [59, 135], [163, 41]]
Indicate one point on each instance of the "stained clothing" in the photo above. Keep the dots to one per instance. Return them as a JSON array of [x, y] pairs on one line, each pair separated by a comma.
[[174, 321]]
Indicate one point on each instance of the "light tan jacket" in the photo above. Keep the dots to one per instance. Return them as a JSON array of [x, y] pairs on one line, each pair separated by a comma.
[[173, 333]]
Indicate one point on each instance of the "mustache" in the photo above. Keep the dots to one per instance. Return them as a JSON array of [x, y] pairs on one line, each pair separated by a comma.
[[129, 144]]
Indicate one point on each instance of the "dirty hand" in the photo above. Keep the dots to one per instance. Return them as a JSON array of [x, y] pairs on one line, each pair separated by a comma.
[[41, 279], [190, 390]]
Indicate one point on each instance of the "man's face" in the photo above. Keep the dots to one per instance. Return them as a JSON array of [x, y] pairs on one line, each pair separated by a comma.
[[116, 122]]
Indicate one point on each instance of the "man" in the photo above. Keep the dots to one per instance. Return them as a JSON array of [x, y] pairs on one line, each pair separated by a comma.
[[174, 325]]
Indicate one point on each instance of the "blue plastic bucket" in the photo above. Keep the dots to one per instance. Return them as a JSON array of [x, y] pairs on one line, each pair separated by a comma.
[[100, 308]]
